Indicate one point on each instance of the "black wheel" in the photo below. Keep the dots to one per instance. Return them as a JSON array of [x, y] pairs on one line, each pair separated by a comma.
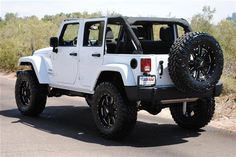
[[197, 115], [89, 100], [30, 96], [113, 115], [195, 62]]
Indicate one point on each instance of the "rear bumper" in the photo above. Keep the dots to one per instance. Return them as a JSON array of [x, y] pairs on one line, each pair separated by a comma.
[[158, 93]]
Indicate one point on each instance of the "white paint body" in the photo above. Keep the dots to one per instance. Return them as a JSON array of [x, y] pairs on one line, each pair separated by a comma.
[[80, 73]]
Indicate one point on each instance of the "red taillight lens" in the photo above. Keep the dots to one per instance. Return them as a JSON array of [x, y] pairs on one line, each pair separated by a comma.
[[146, 65]]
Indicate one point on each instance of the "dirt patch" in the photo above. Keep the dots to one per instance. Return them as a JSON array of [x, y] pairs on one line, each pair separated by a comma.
[[225, 114], [8, 75], [226, 107]]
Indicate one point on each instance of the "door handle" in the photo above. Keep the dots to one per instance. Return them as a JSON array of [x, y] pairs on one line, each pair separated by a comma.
[[73, 54], [96, 55]]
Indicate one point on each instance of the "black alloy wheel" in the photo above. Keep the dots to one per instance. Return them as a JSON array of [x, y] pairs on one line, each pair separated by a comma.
[[107, 110], [201, 62], [113, 114], [25, 93]]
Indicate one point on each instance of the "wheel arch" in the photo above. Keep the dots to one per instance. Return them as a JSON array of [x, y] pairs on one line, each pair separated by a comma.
[[120, 71], [115, 77], [110, 76], [38, 66]]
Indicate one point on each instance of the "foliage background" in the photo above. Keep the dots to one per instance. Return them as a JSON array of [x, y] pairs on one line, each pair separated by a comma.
[[21, 36]]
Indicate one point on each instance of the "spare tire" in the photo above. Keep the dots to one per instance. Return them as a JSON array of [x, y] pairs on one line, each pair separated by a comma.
[[195, 62]]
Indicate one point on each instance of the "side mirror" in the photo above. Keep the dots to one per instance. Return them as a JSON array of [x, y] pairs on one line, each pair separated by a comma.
[[54, 43]]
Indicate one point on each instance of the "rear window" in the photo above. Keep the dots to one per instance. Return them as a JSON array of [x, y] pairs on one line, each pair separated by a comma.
[[156, 31], [180, 31], [115, 29]]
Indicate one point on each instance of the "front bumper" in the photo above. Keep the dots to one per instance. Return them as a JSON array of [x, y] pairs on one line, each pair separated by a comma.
[[158, 93]]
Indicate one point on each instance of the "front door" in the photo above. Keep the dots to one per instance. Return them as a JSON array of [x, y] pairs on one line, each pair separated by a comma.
[[65, 61], [92, 51]]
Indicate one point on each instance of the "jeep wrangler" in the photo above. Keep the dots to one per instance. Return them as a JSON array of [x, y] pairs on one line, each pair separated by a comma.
[[121, 65]]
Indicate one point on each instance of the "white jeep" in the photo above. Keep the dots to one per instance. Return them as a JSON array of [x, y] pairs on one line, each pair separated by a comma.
[[124, 64]]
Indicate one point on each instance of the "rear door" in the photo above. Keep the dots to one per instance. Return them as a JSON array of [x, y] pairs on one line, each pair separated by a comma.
[[91, 51]]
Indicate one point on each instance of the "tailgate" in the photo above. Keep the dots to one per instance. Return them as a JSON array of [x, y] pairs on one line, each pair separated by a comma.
[[160, 70]]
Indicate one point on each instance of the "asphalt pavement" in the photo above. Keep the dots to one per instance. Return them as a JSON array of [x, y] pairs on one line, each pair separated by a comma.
[[66, 128]]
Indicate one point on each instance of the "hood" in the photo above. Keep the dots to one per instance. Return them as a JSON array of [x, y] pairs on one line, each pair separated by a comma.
[[43, 51]]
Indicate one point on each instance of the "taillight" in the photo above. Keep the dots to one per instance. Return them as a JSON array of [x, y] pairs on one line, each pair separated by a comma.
[[146, 64]]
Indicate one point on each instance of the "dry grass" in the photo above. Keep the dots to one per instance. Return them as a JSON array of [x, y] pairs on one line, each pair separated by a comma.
[[229, 85], [226, 107]]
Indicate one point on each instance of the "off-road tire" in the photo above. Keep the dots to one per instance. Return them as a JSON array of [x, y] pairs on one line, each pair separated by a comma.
[[89, 100], [210, 57], [203, 110], [30, 96], [125, 115]]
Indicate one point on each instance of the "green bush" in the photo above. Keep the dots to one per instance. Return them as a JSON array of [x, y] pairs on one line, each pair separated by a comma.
[[225, 33], [22, 36]]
